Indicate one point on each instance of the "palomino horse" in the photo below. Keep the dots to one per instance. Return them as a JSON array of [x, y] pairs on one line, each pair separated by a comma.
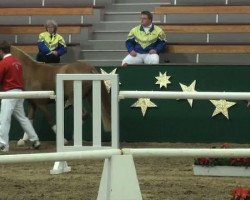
[[41, 76]]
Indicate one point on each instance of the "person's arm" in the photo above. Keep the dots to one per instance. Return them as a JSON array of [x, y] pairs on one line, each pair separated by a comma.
[[161, 42], [61, 49], [42, 46], [130, 42], [1, 72]]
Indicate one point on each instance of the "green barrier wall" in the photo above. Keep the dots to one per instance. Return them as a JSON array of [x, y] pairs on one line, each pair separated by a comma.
[[172, 120]]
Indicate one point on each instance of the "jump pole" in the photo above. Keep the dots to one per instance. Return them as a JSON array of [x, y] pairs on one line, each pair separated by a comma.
[[28, 95], [64, 156], [186, 152], [184, 95]]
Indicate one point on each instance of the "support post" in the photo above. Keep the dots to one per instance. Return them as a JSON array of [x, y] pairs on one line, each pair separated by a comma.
[[119, 179]]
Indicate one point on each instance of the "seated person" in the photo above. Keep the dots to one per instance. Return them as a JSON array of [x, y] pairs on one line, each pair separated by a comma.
[[51, 45], [145, 42]]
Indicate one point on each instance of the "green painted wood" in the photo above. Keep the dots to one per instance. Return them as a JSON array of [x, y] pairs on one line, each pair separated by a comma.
[[172, 120]]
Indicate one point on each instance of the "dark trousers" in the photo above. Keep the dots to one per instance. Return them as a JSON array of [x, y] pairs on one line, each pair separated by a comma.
[[47, 58]]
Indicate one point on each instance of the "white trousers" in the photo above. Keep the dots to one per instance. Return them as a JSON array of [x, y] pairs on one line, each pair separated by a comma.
[[15, 107], [141, 58]]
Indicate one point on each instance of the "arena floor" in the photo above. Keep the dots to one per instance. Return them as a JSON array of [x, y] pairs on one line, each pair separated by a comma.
[[159, 178]]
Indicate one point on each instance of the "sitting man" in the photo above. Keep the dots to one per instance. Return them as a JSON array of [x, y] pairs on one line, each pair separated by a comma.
[[51, 45], [145, 42]]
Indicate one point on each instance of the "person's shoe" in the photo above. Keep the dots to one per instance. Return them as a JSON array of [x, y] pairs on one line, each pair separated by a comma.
[[36, 144], [21, 142], [4, 148]]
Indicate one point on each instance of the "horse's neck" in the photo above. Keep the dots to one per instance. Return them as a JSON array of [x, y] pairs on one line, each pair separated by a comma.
[[24, 58]]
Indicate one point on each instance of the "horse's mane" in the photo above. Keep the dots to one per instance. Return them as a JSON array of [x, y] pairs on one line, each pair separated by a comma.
[[21, 55]]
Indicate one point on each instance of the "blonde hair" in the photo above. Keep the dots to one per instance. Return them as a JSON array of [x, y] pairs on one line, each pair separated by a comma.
[[51, 22]]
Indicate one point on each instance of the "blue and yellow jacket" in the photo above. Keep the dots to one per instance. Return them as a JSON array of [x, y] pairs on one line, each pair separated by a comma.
[[51, 42], [142, 42]]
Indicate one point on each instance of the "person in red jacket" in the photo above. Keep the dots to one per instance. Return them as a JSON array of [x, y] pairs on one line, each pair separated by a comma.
[[11, 79]]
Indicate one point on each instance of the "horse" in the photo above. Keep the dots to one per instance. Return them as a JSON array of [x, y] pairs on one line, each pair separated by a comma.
[[41, 76]]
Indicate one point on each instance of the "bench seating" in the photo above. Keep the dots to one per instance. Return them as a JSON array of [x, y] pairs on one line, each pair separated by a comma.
[[29, 11], [175, 9], [36, 29], [205, 28], [32, 48], [209, 48]]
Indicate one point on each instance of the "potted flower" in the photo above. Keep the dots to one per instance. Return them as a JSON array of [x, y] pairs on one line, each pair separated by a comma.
[[240, 193], [222, 166]]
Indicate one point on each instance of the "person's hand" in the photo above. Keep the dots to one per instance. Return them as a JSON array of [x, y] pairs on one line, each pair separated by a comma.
[[55, 53], [133, 53], [152, 51]]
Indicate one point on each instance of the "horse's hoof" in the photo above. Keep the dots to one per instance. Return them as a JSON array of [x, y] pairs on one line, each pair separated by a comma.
[[66, 141], [21, 143]]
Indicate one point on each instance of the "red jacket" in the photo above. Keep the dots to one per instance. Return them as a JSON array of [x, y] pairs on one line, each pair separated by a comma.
[[11, 73]]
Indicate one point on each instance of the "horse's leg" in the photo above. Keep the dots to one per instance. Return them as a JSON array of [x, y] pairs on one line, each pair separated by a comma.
[[106, 106], [31, 114], [50, 119]]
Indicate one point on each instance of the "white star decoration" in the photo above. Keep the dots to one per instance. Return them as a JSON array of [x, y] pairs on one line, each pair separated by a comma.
[[190, 88], [222, 106], [163, 79], [144, 103], [108, 82]]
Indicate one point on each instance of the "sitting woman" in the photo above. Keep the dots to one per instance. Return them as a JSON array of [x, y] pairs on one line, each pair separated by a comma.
[[51, 45]]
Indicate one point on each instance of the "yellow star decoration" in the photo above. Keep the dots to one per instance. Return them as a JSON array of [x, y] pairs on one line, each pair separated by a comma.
[[221, 106], [163, 79], [190, 88], [108, 82], [144, 104]]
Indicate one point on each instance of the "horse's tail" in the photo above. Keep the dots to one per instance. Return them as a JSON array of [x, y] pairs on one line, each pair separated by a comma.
[[106, 108]]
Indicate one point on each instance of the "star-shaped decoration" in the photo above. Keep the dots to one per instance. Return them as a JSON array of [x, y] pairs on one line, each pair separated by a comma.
[[163, 79], [190, 88], [108, 82], [222, 106], [144, 104]]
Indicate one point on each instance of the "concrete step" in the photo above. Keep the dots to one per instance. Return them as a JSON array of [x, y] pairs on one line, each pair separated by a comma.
[[22, 3], [198, 2], [209, 2], [209, 38], [132, 7], [105, 44], [183, 58], [242, 2], [190, 18], [15, 3], [103, 54], [115, 25], [234, 18], [175, 37], [142, 1], [206, 18], [108, 35], [104, 62], [61, 19], [76, 2], [32, 38], [128, 16]]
